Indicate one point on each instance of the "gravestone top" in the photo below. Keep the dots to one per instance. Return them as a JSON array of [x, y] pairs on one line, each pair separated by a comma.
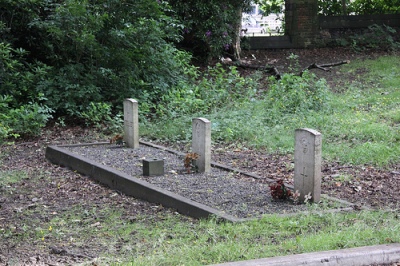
[[307, 160], [201, 143], [131, 123]]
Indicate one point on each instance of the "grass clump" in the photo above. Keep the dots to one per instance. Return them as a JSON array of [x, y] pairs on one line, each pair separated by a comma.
[[295, 94], [11, 177]]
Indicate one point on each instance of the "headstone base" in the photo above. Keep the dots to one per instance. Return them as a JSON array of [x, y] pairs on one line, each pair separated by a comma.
[[153, 167]]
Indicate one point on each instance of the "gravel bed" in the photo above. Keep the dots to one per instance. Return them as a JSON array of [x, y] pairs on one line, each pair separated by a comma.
[[235, 194]]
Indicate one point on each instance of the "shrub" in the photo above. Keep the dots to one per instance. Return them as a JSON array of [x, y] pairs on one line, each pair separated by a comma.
[[26, 120], [95, 51], [100, 115], [358, 7], [210, 27], [293, 94], [217, 87], [376, 37]]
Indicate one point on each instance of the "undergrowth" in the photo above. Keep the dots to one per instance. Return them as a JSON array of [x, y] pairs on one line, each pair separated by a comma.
[[360, 125]]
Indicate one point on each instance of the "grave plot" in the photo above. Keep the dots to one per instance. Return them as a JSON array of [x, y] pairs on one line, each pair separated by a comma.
[[191, 183]]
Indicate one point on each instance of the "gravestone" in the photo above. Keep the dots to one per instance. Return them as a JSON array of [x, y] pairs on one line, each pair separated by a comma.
[[201, 143], [131, 123], [307, 164]]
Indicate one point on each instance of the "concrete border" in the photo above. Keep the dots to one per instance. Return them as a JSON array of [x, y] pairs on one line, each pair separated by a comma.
[[132, 186], [379, 254], [138, 188]]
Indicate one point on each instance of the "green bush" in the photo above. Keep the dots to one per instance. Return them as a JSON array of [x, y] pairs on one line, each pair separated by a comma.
[[5, 130], [293, 94], [217, 87], [358, 7], [89, 51], [26, 120], [376, 37], [18, 77], [22, 112], [210, 27], [100, 115]]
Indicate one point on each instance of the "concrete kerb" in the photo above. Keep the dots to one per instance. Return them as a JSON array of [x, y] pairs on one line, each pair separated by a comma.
[[378, 254], [132, 186]]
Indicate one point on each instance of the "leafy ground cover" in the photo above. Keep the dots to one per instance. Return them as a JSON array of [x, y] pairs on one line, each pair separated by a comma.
[[53, 216]]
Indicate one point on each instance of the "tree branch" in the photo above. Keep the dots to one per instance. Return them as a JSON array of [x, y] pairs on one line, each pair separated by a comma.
[[275, 72], [324, 67]]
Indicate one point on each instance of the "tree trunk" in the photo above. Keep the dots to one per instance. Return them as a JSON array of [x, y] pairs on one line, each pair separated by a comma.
[[344, 7], [236, 36]]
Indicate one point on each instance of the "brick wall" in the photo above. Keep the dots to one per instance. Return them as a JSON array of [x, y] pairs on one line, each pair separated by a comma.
[[301, 21]]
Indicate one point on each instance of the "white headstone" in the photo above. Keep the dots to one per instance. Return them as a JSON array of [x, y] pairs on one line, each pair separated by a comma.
[[307, 164], [201, 143], [131, 123]]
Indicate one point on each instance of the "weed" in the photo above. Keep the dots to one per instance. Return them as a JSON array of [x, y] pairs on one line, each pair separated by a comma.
[[294, 94], [100, 115], [375, 37], [11, 177]]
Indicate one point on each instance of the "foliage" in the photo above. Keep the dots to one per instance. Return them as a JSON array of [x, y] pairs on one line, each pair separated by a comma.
[[375, 7], [376, 37], [5, 130], [113, 57], [209, 26], [18, 77], [100, 115], [272, 6], [93, 51], [216, 87], [331, 8], [22, 112], [359, 120], [26, 120], [358, 7], [294, 94]]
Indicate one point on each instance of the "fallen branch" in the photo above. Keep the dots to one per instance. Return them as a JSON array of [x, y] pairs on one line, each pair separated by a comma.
[[270, 70], [274, 71], [324, 67], [64, 252]]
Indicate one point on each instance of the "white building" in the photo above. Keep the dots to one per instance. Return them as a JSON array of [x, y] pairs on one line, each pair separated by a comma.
[[255, 24]]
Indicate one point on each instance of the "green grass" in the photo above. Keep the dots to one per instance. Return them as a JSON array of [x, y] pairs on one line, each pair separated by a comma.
[[172, 241], [208, 242], [11, 177], [360, 126]]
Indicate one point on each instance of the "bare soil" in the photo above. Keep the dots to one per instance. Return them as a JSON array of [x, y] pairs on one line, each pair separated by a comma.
[[49, 189]]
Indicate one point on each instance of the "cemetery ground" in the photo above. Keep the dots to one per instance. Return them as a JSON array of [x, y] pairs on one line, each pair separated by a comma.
[[51, 215]]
